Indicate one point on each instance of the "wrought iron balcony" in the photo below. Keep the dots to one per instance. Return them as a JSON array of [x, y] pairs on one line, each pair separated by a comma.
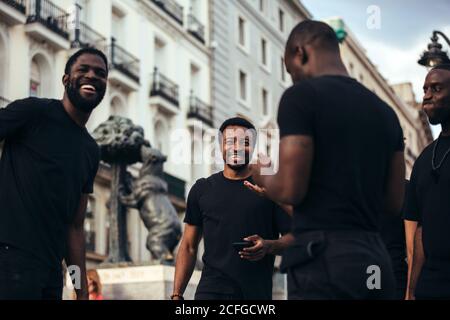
[[3, 102], [123, 61], [19, 5], [196, 28], [172, 8], [86, 37], [48, 14], [162, 86], [200, 110], [176, 186]]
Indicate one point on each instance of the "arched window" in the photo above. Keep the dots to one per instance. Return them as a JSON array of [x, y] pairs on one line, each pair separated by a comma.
[[41, 79], [2, 66], [118, 107], [35, 79], [161, 136]]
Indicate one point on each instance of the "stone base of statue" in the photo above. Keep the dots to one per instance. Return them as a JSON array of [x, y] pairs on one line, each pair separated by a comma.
[[148, 282], [154, 282]]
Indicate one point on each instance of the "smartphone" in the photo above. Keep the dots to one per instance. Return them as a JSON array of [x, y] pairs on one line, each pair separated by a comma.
[[239, 246]]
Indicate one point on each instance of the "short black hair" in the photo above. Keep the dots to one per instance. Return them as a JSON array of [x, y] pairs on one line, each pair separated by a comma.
[[73, 58], [237, 121], [313, 32], [444, 66]]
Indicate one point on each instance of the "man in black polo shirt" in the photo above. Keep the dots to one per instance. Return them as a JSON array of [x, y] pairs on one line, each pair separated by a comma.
[[341, 166], [428, 200], [47, 170], [223, 210]]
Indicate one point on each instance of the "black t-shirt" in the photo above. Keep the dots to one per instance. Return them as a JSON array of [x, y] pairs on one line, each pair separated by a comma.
[[355, 136], [228, 212], [48, 162], [428, 203]]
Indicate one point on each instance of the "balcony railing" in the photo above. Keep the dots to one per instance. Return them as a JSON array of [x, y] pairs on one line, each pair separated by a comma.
[[123, 61], [200, 110], [196, 28], [162, 86], [19, 5], [86, 37], [50, 15], [176, 186], [172, 8], [4, 102]]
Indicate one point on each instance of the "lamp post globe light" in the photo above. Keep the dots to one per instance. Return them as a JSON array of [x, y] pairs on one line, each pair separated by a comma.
[[434, 55]]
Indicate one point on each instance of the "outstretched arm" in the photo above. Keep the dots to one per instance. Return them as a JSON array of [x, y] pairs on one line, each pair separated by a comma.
[[76, 250], [186, 258]]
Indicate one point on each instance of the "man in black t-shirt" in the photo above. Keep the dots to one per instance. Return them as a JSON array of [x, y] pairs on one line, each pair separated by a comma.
[[341, 166], [47, 170], [223, 210], [428, 200]]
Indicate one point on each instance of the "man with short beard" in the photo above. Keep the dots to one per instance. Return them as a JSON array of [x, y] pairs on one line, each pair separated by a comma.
[[46, 173], [226, 208], [428, 201]]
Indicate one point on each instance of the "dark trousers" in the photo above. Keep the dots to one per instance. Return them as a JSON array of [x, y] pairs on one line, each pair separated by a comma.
[[23, 277], [339, 265]]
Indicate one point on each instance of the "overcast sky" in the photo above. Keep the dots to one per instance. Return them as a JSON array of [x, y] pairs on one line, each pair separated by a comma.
[[405, 30]]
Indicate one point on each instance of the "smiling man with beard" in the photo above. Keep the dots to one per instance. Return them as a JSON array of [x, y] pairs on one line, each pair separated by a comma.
[[428, 200], [46, 173], [224, 210]]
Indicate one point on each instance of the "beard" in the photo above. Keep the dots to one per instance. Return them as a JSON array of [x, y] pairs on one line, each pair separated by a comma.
[[239, 165], [85, 105]]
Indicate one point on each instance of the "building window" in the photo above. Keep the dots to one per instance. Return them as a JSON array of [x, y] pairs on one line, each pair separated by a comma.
[[361, 77], [265, 102], [117, 26], [264, 52], [262, 5], [89, 226], [351, 69], [118, 107], [282, 70], [243, 95], [35, 79], [281, 20], [242, 31]]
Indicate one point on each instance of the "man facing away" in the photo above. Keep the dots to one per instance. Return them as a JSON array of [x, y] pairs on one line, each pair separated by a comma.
[[341, 166], [428, 201], [47, 170], [224, 208]]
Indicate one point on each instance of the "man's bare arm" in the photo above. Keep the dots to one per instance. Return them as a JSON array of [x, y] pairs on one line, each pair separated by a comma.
[[186, 258], [290, 184], [410, 231], [418, 261], [76, 249], [395, 185]]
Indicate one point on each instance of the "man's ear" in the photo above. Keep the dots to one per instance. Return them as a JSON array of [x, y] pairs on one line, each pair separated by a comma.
[[65, 79], [304, 55]]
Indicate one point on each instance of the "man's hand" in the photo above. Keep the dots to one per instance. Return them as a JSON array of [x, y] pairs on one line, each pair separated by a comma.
[[258, 251], [255, 188], [262, 165]]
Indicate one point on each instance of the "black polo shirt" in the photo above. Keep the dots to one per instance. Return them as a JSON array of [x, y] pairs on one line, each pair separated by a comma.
[[228, 211]]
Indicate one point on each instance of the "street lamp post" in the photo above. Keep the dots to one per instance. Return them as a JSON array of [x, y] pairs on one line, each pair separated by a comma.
[[434, 55]]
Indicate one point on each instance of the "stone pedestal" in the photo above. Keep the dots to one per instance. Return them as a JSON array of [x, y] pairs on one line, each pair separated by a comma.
[[142, 283], [154, 282]]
